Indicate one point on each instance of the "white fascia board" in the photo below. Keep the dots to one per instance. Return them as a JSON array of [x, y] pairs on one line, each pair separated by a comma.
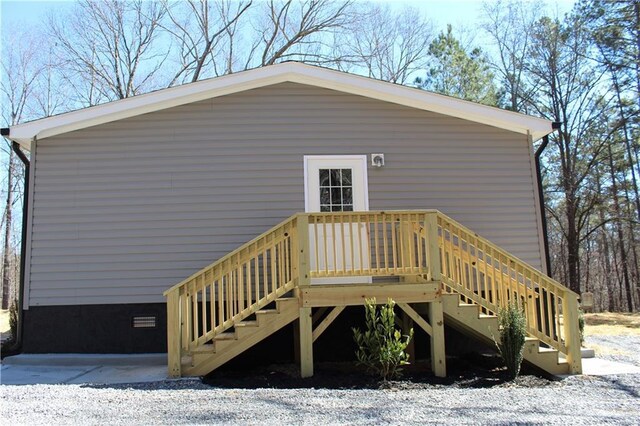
[[285, 72]]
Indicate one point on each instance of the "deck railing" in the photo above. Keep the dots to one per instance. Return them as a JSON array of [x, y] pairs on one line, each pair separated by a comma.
[[483, 273], [369, 244], [421, 245]]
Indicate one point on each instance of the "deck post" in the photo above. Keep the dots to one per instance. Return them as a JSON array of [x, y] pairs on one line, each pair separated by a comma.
[[572, 332], [305, 322], [433, 249], [438, 354], [173, 334], [306, 343]]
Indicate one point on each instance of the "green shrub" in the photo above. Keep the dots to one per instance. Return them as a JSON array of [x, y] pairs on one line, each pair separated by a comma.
[[381, 348], [13, 320], [513, 331]]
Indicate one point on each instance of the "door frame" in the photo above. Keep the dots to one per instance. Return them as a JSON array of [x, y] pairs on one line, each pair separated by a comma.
[[362, 158]]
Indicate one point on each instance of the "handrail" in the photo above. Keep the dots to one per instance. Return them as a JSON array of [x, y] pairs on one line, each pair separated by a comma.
[[482, 272]]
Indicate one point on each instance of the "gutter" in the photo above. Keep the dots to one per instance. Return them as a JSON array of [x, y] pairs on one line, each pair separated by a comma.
[[543, 216], [17, 347]]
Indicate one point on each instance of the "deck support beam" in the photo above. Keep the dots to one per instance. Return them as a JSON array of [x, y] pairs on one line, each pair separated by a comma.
[[326, 322], [438, 354], [306, 343], [407, 326]]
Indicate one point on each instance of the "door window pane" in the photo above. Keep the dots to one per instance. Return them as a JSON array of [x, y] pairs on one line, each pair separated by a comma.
[[336, 190]]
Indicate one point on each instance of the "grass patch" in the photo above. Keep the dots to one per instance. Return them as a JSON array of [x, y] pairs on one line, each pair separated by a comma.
[[612, 323]]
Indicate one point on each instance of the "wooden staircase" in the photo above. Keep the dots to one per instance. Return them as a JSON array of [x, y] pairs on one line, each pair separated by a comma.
[[245, 334], [412, 256], [469, 319]]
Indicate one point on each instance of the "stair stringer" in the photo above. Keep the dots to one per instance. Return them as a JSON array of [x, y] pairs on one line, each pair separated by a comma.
[[467, 319], [224, 348]]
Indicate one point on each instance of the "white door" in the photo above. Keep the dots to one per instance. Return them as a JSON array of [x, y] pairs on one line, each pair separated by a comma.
[[337, 183]]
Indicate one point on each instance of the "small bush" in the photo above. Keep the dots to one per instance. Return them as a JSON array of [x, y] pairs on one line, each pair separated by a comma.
[[381, 348], [13, 320], [513, 331], [9, 343]]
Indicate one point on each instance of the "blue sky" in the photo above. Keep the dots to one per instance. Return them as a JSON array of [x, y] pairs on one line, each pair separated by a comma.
[[456, 12]]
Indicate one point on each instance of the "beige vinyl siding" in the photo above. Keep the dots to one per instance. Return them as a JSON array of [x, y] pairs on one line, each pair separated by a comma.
[[124, 210]]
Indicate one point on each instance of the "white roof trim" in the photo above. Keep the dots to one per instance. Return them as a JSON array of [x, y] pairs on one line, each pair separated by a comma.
[[285, 72]]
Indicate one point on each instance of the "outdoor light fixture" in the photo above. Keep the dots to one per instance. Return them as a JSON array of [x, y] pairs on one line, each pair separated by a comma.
[[377, 160]]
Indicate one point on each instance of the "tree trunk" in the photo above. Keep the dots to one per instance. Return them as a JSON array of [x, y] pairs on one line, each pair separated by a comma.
[[8, 223], [620, 233]]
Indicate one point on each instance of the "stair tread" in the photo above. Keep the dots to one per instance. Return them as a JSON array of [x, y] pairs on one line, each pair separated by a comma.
[[546, 350], [208, 348], [225, 336], [485, 316], [247, 324], [267, 312]]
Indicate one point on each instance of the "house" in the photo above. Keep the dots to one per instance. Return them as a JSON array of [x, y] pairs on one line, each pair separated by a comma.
[[309, 189]]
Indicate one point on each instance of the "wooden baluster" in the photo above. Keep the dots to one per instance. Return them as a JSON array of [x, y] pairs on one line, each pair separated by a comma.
[[274, 272], [352, 250], [403, 259], [377, 244], [194, 319], [204, 304], [212, 303], [549, 313], [420, 246], [360, 248], [385, 241], [342, 244], [326, 246], [494, 284], [241, 293], [220, 302], [265, 279], [394, 246]]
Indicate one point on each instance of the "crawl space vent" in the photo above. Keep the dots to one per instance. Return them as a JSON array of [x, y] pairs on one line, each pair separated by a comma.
[[143, 322]]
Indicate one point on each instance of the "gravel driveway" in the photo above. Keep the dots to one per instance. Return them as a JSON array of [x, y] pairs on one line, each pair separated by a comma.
[[584, 400], [621, 348]]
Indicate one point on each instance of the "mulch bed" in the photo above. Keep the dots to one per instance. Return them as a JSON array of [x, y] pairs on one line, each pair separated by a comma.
[[470, 371]]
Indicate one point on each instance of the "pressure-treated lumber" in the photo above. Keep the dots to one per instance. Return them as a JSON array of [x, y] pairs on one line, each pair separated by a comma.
[[438, 356], [306, 343], [326, 322], [415, 256], [356, 294], [416, 318], [574, 350], [173, 334]]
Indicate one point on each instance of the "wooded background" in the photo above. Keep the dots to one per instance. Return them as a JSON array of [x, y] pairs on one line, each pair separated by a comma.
[[581, 69]]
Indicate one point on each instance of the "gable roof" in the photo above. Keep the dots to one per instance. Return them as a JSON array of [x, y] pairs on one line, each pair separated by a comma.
[[294, 72]]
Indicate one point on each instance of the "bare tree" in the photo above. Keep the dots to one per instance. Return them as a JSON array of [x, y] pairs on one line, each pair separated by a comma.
[[510, 25], [20, 71], [108, 46], [389, 44], [297, 30], [204, 31]]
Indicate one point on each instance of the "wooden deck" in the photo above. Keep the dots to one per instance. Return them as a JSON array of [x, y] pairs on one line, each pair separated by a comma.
[[311, 262]]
